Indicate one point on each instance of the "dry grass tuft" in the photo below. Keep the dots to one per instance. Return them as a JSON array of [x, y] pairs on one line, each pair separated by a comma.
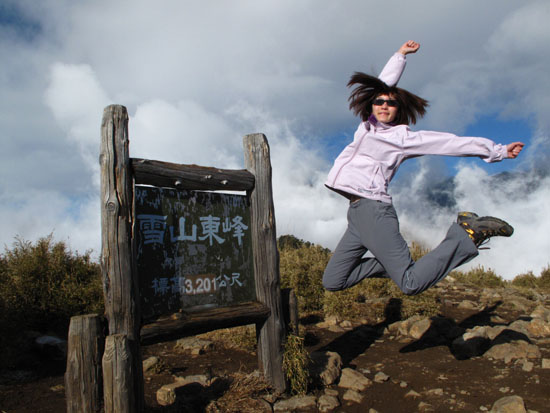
[[242, 338], [244, 395], [295, 364]]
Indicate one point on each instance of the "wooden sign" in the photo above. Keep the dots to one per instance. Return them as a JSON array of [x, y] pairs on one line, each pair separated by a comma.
[[194, 250]]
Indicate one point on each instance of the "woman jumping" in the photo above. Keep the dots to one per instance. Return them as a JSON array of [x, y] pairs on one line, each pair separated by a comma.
[[364, 169]]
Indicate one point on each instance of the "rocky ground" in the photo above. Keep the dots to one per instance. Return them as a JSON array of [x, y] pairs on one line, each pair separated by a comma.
[[488, 350]]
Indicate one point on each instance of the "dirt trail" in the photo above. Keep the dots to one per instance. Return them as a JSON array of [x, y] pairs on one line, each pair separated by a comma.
[[424, 374]]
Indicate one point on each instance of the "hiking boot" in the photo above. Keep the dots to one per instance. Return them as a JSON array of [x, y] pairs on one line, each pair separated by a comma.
[[480, 229], [464, 215]]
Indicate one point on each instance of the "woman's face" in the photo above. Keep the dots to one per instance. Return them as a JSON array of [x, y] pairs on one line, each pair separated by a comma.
[[384, 112]]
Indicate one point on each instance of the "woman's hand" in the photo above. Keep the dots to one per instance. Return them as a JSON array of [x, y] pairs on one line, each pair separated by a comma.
[[409, 47], [514, 149]]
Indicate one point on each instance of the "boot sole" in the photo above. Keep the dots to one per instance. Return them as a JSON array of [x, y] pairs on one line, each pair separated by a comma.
[[504, 230]]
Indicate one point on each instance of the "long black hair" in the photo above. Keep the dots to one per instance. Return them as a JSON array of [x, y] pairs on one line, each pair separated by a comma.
[[410, 106]]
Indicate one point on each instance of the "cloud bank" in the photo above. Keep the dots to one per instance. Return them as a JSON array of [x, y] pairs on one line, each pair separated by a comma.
[[195, 79]]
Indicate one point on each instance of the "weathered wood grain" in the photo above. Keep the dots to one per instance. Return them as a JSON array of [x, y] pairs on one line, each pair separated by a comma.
[[188, 324], [118, 375], [266, 259], [191, 177], [290, 310], [117, 247], [83, 376]]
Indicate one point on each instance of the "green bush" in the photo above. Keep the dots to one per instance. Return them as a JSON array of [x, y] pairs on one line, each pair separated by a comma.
[[43, 284], [302, 266], [479, 277]]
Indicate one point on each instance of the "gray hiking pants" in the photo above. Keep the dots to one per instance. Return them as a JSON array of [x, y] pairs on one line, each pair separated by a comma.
[[373, 226]]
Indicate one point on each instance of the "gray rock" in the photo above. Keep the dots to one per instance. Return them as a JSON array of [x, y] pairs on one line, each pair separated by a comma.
[[193, 344], [425, 407], [541, 313], [150, 363], [412, 394], [346, 324], [354, 380], [513, 350], [51, 347], [538, 328], [381, 377], [468, 305], [528, 366], [545, 364], [331, 392], [167, 394], [295, 403], [509, 404], [327, 403], [198, 378], [494, 332], [327, 366], [419, 328], [520, 326], [329, 321], [336, 329], [353, 396], [435, 392], [519, 303]]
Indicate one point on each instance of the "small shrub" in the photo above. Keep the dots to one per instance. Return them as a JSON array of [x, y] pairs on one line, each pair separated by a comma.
[[380, 299], [302, 266], [345, 304], [295, 364], [417, 250], [480, 277], [544, 279], [42, 285], [426, 304], [527, 280]]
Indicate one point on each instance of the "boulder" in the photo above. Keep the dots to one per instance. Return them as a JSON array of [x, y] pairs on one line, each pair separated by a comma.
[[327, 366], [509, 404], [541, 313], [295, 403], [353, 396], [327, 403], [352, 379], [150, 363], [193, 344], [513, 350]]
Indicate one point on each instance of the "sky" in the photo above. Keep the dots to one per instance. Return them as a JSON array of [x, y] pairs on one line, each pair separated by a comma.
[[196, 76]]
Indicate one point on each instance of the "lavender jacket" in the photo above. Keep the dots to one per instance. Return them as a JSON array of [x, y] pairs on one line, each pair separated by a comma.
[[367, 165]]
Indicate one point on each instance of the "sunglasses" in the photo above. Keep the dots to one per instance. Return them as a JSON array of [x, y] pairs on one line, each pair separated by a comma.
[[380, 102]]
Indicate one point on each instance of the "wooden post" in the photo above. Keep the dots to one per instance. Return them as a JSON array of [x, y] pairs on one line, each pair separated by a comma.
[[290, 310], [117, 248], [83, 379], [271, 333], [118, 375]]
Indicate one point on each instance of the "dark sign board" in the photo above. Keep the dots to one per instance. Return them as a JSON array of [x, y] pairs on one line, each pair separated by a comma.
[[194, 250]]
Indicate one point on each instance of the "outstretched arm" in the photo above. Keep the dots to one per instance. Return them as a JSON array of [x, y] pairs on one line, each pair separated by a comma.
[[394, 68], [409, 46]]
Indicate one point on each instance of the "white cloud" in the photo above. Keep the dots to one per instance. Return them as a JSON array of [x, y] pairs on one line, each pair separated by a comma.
[[196, 78], [527, 249]]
